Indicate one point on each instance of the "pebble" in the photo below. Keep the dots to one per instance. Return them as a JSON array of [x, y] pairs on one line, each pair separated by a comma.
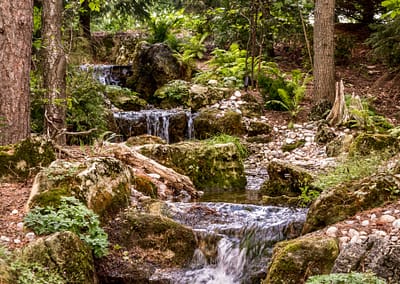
[[387, 219], [17, 241], [353, 233], [14, 212], [396, 224], [20, 226], [332, 232], [4, 239], [30, 236], [365, 223]]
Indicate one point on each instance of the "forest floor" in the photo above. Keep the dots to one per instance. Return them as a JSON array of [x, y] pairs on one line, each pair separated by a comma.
[[371, 81]]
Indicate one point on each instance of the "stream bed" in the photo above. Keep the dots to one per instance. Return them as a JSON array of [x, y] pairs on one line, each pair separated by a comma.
[[235, 240]]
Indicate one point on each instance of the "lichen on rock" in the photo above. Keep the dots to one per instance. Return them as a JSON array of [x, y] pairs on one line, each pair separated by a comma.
[[295, 260], [103, 184]]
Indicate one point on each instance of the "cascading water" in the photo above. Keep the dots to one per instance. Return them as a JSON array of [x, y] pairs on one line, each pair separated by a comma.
[[109, 74], [235, 240], [157, 122]]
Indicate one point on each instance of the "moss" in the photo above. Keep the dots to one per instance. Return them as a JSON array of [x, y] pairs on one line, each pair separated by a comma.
[[365, 144], [288, 147], [50, 198], [25, 158], [294, 261], [65, 253], [144, 185]]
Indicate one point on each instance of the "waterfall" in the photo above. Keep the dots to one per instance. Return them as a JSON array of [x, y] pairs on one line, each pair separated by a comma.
[[236, 240], [109, 74], [171, 125]]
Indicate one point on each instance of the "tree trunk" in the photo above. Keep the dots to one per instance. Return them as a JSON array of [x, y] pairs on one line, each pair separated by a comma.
[[15, 63], [54, 70], [324, 65]]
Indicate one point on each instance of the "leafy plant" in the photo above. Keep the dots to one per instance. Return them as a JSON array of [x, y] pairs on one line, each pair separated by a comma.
[[308, 195], [346, 278], [70, 215], [291, 92], [224, 138], [161, 25], [86, 107], [195, 48]]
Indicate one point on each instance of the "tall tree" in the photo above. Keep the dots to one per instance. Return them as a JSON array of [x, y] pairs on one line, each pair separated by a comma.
[[324, 64], [15, 63], [54, 69]]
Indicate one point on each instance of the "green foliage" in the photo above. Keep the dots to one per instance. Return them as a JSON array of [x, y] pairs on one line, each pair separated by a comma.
[[346, 278], [37, 102], [352, 168], [70, 215], [344, 45], [285, 92], [162, 25], [224, 138], [229, 66], [393, 7], [195, 48], [308, 195], [363, 116], [175, 92], [385, 42], [86, 107]]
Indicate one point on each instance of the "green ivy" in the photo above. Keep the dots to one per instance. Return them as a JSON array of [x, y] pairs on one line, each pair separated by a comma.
[[71, 215], [346, 278]]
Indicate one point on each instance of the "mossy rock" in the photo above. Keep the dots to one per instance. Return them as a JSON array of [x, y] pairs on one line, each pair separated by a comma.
[[211, 167], [324, 134], [64, 253], [256, 128], [143, 140], [142, 243], [345, 200], [21, 160], [288, 147], [285, 179], [366, 143], [143, 184], [295, 260], [125, 99], [103, 184], [211, 122]]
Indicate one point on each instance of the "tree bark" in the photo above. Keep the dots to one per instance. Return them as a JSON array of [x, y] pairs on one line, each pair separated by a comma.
[[16, 25], [54, 70], [324, 64]]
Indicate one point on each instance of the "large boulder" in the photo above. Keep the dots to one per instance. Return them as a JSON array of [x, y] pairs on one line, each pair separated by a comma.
[[25, 158], [142, 243], [154, 65], [285, 183], [103, 184], [379, 255], [209, 166], [346, 199], [125, 99], [65, 253], [295, 260], [211, 122]]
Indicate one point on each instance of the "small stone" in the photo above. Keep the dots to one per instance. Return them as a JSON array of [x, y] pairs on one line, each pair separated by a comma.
[[332, 232], [355, 240], [353, 233], [394, 238], [365, 223], [156, 176], [396, 224], [17, 241], [344, 239], [14, 212], [238, 94], [349, 222], [30, 236], [387, 219], [373, 216], [380, 233], [4, 239], [20, 226], [388, 212], [232, 98]]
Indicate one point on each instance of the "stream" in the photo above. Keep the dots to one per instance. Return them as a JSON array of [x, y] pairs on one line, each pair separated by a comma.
[[235, 239]]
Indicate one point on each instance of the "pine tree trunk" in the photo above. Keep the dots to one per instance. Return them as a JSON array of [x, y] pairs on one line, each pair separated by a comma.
[[324, 65], [54, 70], [15, 64]]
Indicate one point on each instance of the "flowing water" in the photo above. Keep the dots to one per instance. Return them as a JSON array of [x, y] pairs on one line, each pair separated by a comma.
[[235, 240], [109, 74]]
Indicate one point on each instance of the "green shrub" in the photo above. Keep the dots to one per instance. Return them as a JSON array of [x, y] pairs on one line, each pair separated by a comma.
[[86, 106], [71, 215], [346, 278]]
